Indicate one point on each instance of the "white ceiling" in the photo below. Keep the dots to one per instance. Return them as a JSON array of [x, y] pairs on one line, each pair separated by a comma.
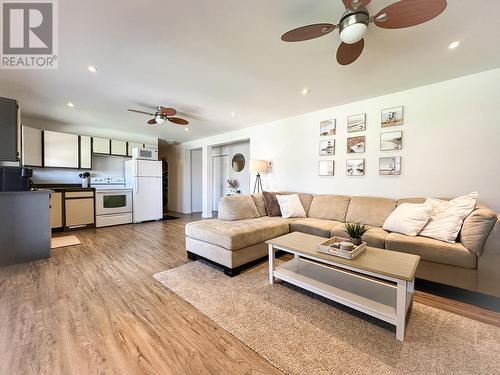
[[211, 58]]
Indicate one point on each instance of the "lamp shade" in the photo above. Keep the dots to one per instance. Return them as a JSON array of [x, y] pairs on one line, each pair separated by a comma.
[[258, 166]]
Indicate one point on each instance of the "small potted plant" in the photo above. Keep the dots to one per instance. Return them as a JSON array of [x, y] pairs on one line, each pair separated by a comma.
[[355, 232], [233, 186]]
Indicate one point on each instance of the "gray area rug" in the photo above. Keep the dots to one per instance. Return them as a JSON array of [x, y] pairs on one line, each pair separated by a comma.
[[304, 334]]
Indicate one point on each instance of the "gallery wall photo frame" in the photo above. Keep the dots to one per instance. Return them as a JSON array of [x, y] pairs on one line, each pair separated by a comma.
[[356, 123], [355, 167], [326, 168], [327, 147], [356, 145], [328, 128], [393, 116], [391, 141], [389, 166]]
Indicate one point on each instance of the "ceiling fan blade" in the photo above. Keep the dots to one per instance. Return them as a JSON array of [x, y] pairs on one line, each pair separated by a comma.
[[144, 113], [178, 120], [406, 13], [308, 32], [168, 111], [152, 122], [348, 53], [355, 4]]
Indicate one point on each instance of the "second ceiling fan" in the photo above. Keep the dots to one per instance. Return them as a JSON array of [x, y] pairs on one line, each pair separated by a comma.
[[354, 23], [161, 115]]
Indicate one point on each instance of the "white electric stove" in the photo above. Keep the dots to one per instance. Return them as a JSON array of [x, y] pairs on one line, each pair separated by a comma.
[[113, 201]]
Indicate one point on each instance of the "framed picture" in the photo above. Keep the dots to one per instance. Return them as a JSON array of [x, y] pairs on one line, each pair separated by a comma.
[[389, 166], [355, 167], [356, 123], [326, 168], [391, 141], [328, 127], [356, 145], [392, 117], [327, 147]]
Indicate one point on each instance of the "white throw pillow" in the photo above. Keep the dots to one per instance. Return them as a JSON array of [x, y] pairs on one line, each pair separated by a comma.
[[290, 206], [409, 218], [448, 216]]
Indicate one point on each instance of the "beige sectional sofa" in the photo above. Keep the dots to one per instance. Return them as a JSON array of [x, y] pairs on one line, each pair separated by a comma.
[[473, 262]]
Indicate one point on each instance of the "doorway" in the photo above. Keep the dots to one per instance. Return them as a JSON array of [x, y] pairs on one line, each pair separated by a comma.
[[220, 168], [196, 181]]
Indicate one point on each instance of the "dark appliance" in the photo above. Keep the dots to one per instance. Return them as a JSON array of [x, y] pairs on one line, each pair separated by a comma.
[[15, 179], [8, 130]]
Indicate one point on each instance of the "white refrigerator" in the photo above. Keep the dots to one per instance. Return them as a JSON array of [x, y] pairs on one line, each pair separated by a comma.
[[144, 177]]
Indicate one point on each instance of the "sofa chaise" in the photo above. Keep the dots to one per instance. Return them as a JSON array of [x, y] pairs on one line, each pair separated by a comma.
[[237, 238]]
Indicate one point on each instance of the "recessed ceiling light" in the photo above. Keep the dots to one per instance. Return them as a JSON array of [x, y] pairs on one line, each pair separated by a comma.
[[454, 44], [305, 91], [187, 129], [92, 69], [71, 105], [233, 114]]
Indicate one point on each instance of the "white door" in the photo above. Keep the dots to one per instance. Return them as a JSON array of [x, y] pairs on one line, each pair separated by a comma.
[[148, 168], [220, 164], [100, 145], [85, 152], [147, 200], [32, 147], [60, 150], [118, 148]]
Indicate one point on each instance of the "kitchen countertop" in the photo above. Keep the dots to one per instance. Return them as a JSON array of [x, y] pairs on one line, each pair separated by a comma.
[[63, 187]]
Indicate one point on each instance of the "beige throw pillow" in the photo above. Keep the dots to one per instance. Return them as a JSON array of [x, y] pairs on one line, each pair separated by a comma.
[[237, 207], [290, 206], [408, 218], [448, 216]]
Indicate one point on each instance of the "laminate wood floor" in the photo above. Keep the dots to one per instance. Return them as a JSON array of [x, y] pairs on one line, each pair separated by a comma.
[[95, 308]]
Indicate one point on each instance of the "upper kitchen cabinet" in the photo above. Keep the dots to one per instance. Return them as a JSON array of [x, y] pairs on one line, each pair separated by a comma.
[[119, 148], [132, 145], [31, 149], [101, 146], [60, 150], [85, 152], [8, 129]]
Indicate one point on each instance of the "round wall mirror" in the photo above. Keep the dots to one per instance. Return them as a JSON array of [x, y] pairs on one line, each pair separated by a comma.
[[238, 162]]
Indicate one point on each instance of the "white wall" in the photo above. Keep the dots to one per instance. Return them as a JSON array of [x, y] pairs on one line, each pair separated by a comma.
[[451, 145]]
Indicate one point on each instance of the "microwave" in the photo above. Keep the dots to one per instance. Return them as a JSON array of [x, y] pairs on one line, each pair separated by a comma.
[[144, 153]]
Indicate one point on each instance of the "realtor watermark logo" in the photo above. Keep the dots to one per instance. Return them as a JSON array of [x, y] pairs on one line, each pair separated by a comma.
[[29, 34]]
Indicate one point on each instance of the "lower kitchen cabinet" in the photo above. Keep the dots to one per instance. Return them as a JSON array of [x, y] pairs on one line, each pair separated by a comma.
[[56, 210], [79, 208]]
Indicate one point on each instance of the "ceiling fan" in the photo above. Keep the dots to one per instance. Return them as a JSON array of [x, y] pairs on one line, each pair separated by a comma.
[[354, 23], [161, 115]]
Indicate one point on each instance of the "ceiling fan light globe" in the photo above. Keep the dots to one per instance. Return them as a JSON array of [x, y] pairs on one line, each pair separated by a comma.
[[160, 119], [353, 33]]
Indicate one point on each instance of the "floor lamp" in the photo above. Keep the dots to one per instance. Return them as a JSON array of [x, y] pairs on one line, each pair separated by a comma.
[[259, 166]]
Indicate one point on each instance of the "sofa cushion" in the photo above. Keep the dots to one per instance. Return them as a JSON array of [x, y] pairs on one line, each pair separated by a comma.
[[316, 227], [370, 210], [476, 228], [411, 200], [272, 205], [454, 254], [374, 237], [258, 199], [237, 207], [236, 235], [329, 207]]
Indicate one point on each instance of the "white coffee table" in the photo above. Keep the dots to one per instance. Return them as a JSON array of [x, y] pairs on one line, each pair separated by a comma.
[[379, 282]]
